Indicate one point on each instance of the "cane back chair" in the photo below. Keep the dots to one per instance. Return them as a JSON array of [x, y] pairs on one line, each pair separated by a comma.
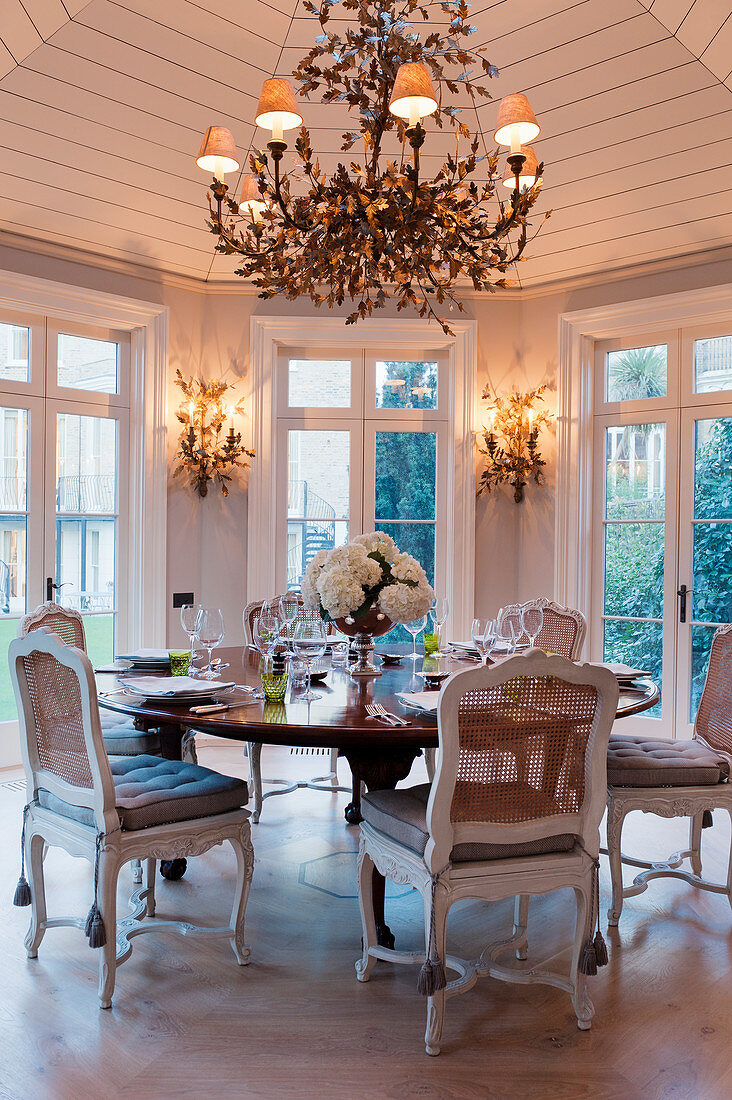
[[110, 811], [514, 809], [675, 779], [328, 782], [563, 630]]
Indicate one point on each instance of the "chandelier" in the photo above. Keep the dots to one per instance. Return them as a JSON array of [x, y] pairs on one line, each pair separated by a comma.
[[375, 229]]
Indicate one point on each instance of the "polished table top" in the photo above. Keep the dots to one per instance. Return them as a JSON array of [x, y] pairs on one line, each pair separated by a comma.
[[338, 719]]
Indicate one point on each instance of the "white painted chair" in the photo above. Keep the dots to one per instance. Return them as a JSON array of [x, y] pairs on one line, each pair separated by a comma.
[[675, 779], [327, 782], [563, 630], [514, 809], [111, 812]]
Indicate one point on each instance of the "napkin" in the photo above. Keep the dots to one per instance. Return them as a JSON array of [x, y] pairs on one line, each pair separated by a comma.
[[174, 685], [623, 672], [145, 655], [427, 700]]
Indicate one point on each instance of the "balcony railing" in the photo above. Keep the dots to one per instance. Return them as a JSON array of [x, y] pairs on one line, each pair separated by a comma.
[[85, 493]]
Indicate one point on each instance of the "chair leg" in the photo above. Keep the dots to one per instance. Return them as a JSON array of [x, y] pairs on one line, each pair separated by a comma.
[[615, 819], [107, 901], [136, 871], [188, 748], [334, 767], [520, 924], [430, 756], [365, 878], [695, 836], [35, 849], [583, 1007], [254, 750], [150, 867], [436, 1002], [244, 852]]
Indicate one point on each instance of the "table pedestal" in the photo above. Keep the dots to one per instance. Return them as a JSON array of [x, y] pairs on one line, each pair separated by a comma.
[[381, 770]]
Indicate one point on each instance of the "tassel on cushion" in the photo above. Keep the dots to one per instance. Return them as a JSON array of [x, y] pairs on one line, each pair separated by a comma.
[[594, 951], [22, 895], [707, 819], [94, 928], [600, 948], [432, 977], [588, 961]]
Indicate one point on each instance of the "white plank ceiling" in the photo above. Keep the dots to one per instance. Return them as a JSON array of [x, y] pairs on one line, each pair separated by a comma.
[[102, 105]]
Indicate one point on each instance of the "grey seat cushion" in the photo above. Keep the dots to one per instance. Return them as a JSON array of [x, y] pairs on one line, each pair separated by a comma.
[[151, 791], [122, 739], [637, 761], [402, 815]]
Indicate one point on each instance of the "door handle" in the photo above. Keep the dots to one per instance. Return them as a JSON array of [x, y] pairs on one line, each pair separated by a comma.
[[51, 587], [682, 593]]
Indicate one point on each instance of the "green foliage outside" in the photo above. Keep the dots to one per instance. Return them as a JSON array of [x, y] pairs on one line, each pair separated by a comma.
[[405, 490], [634, 552], [99, 630]]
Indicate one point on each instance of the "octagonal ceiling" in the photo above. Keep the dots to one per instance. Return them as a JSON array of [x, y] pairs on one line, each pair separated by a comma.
[[102, 105]]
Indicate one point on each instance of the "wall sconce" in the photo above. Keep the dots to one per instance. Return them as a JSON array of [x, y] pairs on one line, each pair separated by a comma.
[[202, 452], [511, 442]]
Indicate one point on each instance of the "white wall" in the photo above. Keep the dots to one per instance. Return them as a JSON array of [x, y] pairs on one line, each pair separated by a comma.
[[209, 335]]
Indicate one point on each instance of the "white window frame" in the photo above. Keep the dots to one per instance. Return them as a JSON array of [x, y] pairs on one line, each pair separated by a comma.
[[268, 335], [147, 324]]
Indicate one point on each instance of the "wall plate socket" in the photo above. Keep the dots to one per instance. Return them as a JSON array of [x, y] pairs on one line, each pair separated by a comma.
[[180, 599]]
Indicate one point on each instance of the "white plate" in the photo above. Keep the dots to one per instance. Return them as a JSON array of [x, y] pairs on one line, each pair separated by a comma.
[[165, 688], [424, 702], [624, 672]]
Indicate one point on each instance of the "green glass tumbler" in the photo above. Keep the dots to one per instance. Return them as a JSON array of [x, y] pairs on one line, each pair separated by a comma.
[[431, 643], [274, 686], [180, 661]]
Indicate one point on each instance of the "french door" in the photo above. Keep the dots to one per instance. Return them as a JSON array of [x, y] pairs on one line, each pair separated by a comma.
[[662, 558], [362, 442], [64, 428]]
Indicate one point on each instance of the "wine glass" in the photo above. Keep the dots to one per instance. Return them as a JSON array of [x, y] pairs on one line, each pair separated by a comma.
[[414, 628], [483, 632], [266, 633], [188, 617], [438, 614], [287, 610], [210, 630], [506, 631], [532, 620], [309, 641]]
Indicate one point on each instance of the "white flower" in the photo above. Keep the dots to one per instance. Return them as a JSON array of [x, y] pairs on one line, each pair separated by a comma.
[[403, 603], [406, 568], [378, 542], [340, 592], [308, 587]]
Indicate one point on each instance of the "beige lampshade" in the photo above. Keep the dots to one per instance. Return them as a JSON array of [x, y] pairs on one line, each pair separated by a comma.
[[277, 109], [218, 152], [413, 96], [251, 197], [527, 177], [516, 124]]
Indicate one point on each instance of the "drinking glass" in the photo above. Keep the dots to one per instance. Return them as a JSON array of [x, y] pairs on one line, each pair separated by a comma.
[[188, 616], [483, 637], [339, 655], [266, 633], [287, 610], [438, 614], [532, 621], [414, 628], [308, 642], [210, 631], [506, 631]]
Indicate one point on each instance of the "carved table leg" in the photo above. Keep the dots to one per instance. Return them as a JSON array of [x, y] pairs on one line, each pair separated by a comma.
[[353, 809], [171, 740], [380, 770]]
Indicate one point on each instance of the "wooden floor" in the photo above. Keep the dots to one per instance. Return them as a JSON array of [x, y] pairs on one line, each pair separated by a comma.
[[187, 1022]]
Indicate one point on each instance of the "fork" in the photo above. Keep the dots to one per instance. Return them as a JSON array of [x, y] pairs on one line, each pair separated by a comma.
[[380, 712], [375, 712]]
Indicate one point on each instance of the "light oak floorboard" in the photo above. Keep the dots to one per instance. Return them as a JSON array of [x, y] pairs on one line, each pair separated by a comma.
[[188, 1022]]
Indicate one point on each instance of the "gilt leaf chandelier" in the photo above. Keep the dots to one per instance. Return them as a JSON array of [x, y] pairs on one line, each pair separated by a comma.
[[375, 229]]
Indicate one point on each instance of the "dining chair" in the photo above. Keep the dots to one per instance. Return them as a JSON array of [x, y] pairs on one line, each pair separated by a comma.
[[327, 782], [675, 779], [563, 630], [121, 738], [110, 810], [514, 809]]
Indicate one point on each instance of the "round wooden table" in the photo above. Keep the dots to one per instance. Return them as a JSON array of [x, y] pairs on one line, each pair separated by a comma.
[[378, 755]]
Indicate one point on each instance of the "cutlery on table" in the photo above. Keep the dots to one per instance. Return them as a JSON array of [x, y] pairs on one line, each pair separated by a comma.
[[217, 708], [376, 710]]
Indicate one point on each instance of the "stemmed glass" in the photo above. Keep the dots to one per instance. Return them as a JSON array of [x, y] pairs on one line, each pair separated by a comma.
[[287, 610], [506, 631], [188, 617], [210, 631], [309, 641], [438, 614], [414, 628], [532, 619], [266, 633], [484, 635]]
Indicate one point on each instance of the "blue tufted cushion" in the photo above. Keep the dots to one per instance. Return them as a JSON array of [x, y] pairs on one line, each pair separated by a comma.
[[151, 791], [122, 739]]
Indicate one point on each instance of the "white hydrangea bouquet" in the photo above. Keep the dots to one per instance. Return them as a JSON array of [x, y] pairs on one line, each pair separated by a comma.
[[367, 579]]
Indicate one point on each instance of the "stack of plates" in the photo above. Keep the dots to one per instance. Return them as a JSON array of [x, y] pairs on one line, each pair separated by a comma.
[[624, 673], [176, 689], [150, 659]]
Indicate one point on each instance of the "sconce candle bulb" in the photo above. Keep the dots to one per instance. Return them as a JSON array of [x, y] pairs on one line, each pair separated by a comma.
[[512, 452]]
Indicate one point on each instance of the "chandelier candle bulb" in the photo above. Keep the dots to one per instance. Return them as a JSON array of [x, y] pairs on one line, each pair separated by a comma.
[[277, 109], [218, 152], [413, 97], [527, 171], [516, 124]]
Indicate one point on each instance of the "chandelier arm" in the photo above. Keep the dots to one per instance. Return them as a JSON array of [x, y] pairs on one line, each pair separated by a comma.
[[289, 219]]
